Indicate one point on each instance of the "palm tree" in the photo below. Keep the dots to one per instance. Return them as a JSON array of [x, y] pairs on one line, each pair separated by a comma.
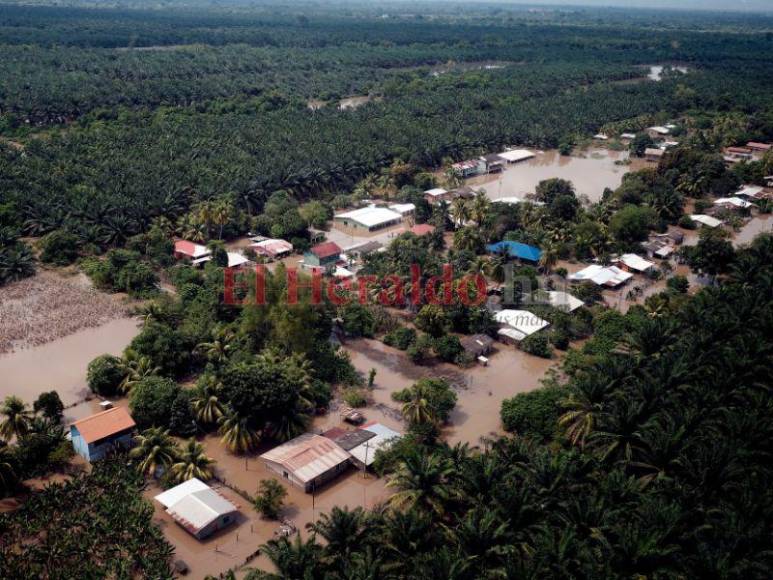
[[460, 211], [154, 448], [416, 410], [136, 368], [17, 418], [221, 215], [192, 462], [344, 531], [204, 212], [481, 205], [423, 482], [218, 349], [549, 257], [294, 560], [206, 401], [238, 434]]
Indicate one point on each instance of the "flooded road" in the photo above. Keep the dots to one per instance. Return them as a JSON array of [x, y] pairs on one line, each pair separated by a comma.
[[591, 171], [759, 224], [61, 364]]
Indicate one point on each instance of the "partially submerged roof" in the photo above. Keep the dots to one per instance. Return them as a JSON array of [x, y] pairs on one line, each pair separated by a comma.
[[326, 250], [706, 220], [734, 201], [477, 344], [652, 152], [436, 192], [524, 322], [559, 300], [104, 424], [195, 505], [516, 250], [753, 191], [235, 260], [514, 155], [307, 456], [635, 262]]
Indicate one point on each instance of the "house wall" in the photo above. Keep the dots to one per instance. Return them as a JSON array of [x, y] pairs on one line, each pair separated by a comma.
[[316, 483], [355, 228], [222, 522], [80, 446]]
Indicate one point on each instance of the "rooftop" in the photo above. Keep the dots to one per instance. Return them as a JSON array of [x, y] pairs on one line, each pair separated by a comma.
[[348, 440], [326, 250], [635, 262], [516, 155], [524, 322], [307, 456], [190, 249], [603, 276], [516, 250], [372, 216], [104, 424], [195, 505]]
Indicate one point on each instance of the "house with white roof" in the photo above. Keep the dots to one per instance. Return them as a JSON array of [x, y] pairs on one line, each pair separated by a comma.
[[308, 461], [198, 508], [558, 300], [607, 276], [368, 219], [634, 263], [404, 209], [518, 324], [752, 191], [733, 203], [516, 155], [364, 454], [436, 195], [706, 220]]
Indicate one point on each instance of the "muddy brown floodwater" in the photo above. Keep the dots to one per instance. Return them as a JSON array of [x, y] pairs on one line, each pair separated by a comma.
[[759, 224], [61, 364], [591, 171]]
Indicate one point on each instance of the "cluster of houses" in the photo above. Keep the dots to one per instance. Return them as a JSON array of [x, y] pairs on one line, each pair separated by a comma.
[[491, 163], [752, 151]]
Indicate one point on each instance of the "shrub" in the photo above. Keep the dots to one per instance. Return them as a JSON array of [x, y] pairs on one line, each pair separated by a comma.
[[534, 414], [448, 348], [270, 499], [59, 248], [678, 284], [151, 401], [537, 344], [355, 398], [401, 338], [687, 223], [104, 375]]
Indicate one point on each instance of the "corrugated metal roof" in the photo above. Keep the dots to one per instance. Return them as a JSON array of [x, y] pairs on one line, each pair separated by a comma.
[[175, 494], [199, 509], [104, 424], [307, 456]]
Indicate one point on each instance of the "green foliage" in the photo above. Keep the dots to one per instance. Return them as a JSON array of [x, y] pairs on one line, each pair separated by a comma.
[[448, 348], [118, 536], [402, 337], [152, 400], [122, 271], [270, 498], [358, 320], [678, 284], [537, 344], [632, 223], [49, 405], [354, 398], [433, 320], [436, 395], [59, 248], [104, 375], [534, 414]]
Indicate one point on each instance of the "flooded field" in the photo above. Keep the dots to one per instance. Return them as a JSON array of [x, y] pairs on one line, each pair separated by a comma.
[[656, 71], [480, 390], [61, 364], [590, 172]]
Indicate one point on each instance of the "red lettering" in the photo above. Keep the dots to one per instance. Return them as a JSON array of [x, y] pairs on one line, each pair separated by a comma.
[[446, 281], [293, 286]]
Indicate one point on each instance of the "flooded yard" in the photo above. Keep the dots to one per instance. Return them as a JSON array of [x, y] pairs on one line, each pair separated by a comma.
[[61, 364], [759, 224], [590, 171]]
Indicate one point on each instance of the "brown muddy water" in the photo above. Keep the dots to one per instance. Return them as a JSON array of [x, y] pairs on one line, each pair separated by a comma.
[[590, 171], [759, 224], [61, 364]]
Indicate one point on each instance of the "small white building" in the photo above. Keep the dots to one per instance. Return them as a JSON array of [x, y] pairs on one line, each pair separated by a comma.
[[368, 219], [752, 191], [308, 461], [198, 508], [608, 276], [404, 209], [706, 220], [516, 155], [436, 195], [634, 263], [364, 454], [733, 203], [518, 324], [558, 300]]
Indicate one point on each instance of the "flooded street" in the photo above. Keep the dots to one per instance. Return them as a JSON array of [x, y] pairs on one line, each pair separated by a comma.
[[760, 223], [590, 172], [62, 363]]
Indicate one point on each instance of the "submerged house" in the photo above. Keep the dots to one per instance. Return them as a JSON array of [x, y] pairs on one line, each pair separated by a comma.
[[198, 508], [369, 219], [477, 344], [184, 249], [634, 263], [96, 436], [308, 461], [515, 325], [607, 276]]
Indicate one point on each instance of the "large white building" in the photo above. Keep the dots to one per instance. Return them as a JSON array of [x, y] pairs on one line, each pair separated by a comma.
[[369, 219]]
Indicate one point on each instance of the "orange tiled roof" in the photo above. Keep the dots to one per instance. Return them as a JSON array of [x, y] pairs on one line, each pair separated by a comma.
[[104, 424]]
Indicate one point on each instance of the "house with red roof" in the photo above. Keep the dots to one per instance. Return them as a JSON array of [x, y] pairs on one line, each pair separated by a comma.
[[94, 437], [184, 249], [324, 255]]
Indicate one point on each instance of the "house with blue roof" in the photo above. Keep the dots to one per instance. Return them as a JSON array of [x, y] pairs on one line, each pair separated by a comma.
[[515, 250]]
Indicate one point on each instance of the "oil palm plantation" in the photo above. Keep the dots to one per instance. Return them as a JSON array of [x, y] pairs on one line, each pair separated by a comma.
[[16, 418], [192, 462], [154, 448]]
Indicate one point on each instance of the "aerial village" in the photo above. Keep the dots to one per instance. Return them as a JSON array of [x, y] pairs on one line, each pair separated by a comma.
[[554, 269]]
